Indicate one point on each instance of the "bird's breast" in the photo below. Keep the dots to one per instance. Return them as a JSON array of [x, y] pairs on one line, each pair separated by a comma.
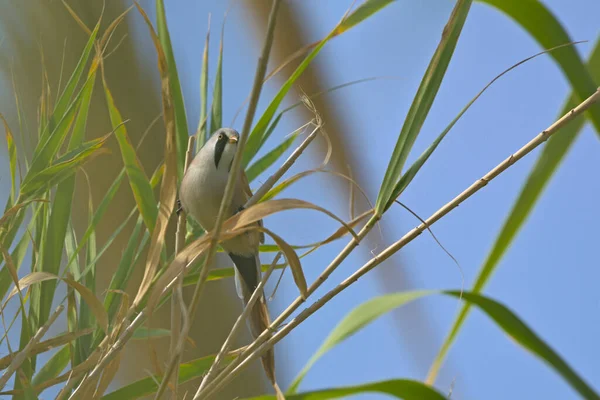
[[201, 194]]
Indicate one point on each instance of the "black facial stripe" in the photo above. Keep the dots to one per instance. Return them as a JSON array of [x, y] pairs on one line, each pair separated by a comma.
[[219, 148]]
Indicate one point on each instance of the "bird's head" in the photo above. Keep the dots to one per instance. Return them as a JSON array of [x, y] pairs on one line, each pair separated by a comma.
[[224, 144]]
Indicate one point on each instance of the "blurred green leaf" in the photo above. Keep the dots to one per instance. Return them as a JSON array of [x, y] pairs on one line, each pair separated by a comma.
[[364, 11], [523, 335], [140, 185], [121, 277], [398, 388], [98, 215], [271, 129], [422, 102], [216, 117], [60, 214], [144, 387], [502, 316], [18, 253], [53, 244], [357, 319], [64, 167], [260, 132], [12, 161], [28, 392], [63, 102], [75, 352], [258, 135], [32, 323], [150, 333], [95, 306], [86, 317], [285, 184], [49, 144], [129, 260], [547, 30], [201, 134], [181, 138], [46, 151], [90, 262], [408, 176], [268, 159], [79, 128], [70, 246], [53, 367]]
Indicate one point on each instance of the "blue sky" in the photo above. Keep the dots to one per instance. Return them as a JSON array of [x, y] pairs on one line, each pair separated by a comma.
[[549, 276]]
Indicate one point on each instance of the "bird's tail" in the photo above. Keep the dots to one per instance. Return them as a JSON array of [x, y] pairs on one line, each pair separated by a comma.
[[247, 278], [259, 321]]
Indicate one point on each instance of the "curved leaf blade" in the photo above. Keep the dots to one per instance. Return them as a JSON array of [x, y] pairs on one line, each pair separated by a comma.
[[549, 32], [423, 101], [259, 133], [53, 367], [181, 127], [269, 159], [140, 185], [187, 371], [399, 388], [216, 115], [523, 335], [504, 318], [201, 134], [63, 168], [357, 319], [547, 163]]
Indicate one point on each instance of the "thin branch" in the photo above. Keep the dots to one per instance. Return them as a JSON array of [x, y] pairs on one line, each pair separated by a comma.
[[272, 180], [177, 306], [460, 270], [236, 327], [24, 354], [263, 343], [111, 353], [232, 179]]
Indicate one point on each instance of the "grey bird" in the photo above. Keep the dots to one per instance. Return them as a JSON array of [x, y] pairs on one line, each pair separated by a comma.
[[200, 195]]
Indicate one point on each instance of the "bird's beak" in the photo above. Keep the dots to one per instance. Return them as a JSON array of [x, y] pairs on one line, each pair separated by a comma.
[[233, 139]]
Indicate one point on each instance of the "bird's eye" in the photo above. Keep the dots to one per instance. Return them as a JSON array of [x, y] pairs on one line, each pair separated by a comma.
[[220, 136]]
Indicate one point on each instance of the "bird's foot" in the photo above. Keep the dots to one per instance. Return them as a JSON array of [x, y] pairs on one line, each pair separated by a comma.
[[240, 209], [179, 208]]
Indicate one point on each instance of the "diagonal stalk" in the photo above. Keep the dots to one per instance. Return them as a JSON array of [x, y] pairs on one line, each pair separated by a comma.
[[263, 343]]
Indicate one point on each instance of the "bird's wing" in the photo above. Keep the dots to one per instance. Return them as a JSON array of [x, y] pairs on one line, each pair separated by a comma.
[[248, 192]]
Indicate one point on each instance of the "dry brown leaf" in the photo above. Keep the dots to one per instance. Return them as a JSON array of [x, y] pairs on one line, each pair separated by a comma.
[[92, 301], [47, 345], [74, 15], [107, 376], [168, 190], [293, 261], [28, 280], [264, 209], [192, 251], [8, 261], [119, 318], [13, 210], [112, 27]]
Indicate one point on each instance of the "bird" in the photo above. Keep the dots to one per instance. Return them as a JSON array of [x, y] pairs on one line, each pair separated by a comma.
[[200, 194]]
